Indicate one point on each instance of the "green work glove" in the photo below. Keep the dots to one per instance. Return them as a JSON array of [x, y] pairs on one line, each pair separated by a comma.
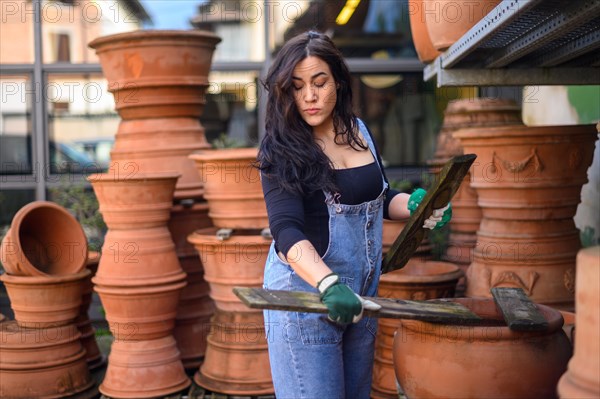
[[343, 304], [438, 218]]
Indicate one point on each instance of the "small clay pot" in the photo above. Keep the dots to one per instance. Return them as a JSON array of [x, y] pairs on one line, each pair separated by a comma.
[[44, 239], [420, 35], [45, 301]]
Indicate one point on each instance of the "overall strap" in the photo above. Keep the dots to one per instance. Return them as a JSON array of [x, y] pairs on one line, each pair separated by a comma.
[[367, 136]]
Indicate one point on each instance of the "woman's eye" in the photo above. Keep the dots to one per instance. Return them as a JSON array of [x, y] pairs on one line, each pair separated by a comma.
[[320, 84], [297, 88]]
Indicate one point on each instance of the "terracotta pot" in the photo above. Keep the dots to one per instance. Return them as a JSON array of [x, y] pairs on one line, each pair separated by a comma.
[[569, 325], [418, 280], [144, 369], [132, 199], [447, 21], [420, 35], [155, 74], [232, 188], [44, 239], [237, 360], [183, 222], [42, 363], [528, 196], [194, 311], [141, 313], [93, 356], [40, 302], [237, 261], [582, 380], [2, 318], [489, 359]]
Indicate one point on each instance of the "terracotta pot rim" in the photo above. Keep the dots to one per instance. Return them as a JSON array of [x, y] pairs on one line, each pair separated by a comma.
[[44, 280], [133, 176], [208, 236], [225, 154], [154, 34], [156, 152], [451, 272], [521, 131], [164, 81], [120, 287]]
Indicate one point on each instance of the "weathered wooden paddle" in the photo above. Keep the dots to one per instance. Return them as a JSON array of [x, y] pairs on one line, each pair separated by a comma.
[[297, 301], [438, 196], [519, 312]]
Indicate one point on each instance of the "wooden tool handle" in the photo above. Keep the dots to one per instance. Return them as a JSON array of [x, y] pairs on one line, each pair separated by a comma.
[[437, 197]]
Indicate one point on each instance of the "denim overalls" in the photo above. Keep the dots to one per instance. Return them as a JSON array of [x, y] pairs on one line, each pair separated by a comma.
[[310, 356]]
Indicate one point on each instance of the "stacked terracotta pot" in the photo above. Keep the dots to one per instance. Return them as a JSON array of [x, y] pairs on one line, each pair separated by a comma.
[[44, 254], [159, 81], [528, 188], [233, 254], [466, 214]]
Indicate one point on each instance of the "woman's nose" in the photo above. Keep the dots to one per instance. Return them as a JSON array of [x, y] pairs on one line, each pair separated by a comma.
[[310, 94]]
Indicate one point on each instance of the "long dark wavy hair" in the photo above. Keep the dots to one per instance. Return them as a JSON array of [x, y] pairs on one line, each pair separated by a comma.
[[288, 151]]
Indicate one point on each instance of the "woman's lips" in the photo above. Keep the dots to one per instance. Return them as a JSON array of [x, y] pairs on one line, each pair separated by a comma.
[[312, 111]]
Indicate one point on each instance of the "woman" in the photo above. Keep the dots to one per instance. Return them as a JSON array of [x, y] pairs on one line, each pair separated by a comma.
[[326, 197]]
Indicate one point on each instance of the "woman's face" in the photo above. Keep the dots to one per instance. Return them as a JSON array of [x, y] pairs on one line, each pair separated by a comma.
[[314, 92]]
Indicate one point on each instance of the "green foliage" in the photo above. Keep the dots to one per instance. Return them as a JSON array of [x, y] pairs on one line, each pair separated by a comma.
[[82, 203], [587, 237], [224, 141], [404, 186]]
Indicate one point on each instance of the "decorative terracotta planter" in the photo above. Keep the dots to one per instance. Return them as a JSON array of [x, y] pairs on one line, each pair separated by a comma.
[[420, 35], [528, 189], [582, 380], [144, 369], [41, 302], [418, 280], [44, 239], [42, 363], [159, 81], [466, 213], [237, 360], [237, 261], [447, 21], [481, 361], [232, 188]]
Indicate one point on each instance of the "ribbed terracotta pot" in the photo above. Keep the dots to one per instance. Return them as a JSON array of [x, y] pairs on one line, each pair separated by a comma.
[[237, 261], [418, 280], [144, 369], [528, 188], [447, 20], [481, 361], [232, 187], [237, 360], [420, 35], [155, 74], [45, 301], [159, 81], [44, 239], [42, 363], [582, 380]]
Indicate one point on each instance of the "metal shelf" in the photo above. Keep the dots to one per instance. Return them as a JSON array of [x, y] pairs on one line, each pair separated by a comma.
[[526, 42]]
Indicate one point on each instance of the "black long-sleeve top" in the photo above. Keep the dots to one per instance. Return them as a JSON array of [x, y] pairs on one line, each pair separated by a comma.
[[293, 218]]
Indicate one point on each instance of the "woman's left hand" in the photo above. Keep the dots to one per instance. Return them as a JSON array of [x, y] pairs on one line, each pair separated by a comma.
[[439, 218]]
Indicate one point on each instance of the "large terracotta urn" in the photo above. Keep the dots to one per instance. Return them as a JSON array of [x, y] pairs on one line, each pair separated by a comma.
[[486, 360], [418, 280], [232, 187], [42, 363], [582, 379], [139, 281], [44, 239], [448, 20], [159, 80], [528, 185]]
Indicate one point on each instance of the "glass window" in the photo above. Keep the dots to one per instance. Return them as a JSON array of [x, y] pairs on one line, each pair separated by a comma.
[[231, 109], [68, 26], [10, 202], [81, 123], [16, 32], [15, 125], [401, 112]]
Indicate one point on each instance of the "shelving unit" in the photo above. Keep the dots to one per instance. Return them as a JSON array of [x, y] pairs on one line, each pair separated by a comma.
[[526, 42]]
